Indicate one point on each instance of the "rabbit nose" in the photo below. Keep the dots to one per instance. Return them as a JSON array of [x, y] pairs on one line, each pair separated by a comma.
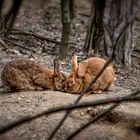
[[65, 88]]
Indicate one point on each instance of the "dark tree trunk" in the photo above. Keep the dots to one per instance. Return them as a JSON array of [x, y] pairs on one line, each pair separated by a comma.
[[117, 14], [95, 30], [67, 13], [64, 41], [108, 19], [7, 20]]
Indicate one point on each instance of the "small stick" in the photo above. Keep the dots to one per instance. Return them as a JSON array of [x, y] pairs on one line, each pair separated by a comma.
[[42, 37], [7, 40], [56, 66], [96, 118], [70, 107]]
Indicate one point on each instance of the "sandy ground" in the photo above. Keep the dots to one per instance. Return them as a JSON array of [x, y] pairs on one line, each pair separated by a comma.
[[122, 123]]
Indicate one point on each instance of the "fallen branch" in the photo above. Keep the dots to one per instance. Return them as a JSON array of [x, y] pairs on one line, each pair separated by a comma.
[[69, 107], [136, 56], [91, 122], [94, 80], [42, 37], [3, 44], [19, 45], [84, 14], [12, 37], [96, 118], [11, 16], [136, 50]]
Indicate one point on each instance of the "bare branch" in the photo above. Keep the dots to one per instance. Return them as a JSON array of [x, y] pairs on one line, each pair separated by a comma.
[[3, 43], [96, 118], [12, 14], [42, 37], [19, 45], [134, 55], [56, 66], [71, 107]]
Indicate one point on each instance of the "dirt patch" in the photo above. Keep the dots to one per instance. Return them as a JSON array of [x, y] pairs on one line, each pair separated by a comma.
[[117, 125]]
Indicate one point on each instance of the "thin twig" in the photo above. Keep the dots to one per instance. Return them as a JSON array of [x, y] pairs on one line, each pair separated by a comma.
[[12, 37], [70, 107], [136, 50], [7, 40], [96, 118], [3, 43], [42, 37], [84, 14], [136, 56], [12, 15]]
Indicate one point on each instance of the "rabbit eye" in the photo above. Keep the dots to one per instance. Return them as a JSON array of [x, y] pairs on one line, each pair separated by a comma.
[[62, 80], [71, 82]]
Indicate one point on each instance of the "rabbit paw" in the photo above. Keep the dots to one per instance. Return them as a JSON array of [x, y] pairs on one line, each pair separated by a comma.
[[97, 92]]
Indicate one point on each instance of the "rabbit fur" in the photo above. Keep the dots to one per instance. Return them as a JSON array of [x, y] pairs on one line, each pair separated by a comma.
[[82, 74], [26, 75]]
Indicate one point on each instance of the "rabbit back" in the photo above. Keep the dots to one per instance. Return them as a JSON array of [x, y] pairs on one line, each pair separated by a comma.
[[59, 81], [86, 71], [104, 81], [19, 75]]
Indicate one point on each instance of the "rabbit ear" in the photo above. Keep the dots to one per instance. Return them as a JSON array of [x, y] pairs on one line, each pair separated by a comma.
[[82, 68], [56, 66], [74, 63]]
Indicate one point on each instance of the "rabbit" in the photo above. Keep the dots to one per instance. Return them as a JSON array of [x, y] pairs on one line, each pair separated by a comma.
[[26, 75], [82, 74]]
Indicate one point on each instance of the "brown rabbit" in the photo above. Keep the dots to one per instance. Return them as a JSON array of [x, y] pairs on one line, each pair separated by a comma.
[[27, 75], [84, 73]]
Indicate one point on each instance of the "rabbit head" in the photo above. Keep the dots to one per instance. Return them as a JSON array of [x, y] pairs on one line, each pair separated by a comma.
[[59, 77], [82, 74], [75, 81], [27, 75], [73, 85]]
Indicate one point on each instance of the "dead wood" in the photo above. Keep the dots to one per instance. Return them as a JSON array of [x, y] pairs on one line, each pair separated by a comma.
[[19, 45]]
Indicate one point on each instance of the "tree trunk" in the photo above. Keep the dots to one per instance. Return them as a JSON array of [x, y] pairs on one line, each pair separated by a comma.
[[108, 19], [67, 12], [116, 15], [7, 20], [64, 41], [95, 30], [11, 15]]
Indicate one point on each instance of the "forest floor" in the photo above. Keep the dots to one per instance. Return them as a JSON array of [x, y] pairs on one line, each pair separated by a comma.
[[43, 17]]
